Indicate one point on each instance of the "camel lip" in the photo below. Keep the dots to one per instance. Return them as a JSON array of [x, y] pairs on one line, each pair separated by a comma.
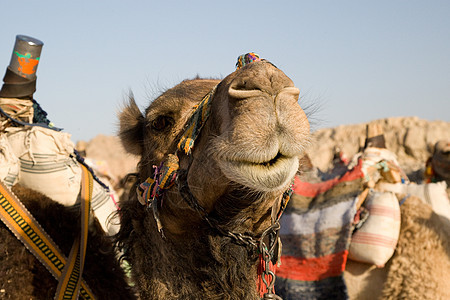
[[256, 161], [267, 176], [266, 165], [273, 160]]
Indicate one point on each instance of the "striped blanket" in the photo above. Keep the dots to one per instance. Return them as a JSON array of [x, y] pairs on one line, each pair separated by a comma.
[[315, 231]]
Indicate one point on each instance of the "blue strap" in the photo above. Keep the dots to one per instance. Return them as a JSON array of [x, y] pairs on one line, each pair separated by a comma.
[[404, 199]]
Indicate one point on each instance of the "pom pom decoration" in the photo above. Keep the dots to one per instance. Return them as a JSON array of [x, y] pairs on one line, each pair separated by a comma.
[[246, 59]]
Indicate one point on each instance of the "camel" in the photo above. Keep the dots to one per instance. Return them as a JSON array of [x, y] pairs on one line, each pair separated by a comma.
[[196, 238], [24, 277], [420, 265]]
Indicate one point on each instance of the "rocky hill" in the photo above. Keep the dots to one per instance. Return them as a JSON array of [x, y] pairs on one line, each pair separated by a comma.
[[411, 138], [110, 149]]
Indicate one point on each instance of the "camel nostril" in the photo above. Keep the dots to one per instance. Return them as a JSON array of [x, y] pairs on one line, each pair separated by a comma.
[[244, 89], [243, 94], [290, 91], [242, 85]]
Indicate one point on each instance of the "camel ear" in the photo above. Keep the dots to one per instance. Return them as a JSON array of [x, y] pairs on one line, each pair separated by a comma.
[[132, 124]]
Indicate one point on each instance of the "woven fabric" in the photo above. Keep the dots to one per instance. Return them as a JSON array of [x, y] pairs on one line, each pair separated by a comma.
[[70, 280], [375, 241], [18, 109], [9, 163], [168, 172], [246, 59], [145, 190], [195, 124], [316, 230], [164, 179], [433, 194], [48, 165]]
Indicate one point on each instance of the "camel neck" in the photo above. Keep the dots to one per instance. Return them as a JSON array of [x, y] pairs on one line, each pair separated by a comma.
[[208, 267]]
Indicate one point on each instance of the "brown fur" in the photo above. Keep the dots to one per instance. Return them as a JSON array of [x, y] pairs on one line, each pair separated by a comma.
[[255, 124], [24, 277], [420, 268]]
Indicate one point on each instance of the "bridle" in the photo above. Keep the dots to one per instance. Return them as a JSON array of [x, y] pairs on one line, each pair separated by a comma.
[[151, 191]]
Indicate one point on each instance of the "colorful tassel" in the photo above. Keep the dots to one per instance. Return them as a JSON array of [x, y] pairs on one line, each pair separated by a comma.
[[246, 59], [195, 124]]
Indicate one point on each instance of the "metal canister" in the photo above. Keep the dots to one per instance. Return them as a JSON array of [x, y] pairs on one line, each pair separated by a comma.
[[20, 77], [25, 57]]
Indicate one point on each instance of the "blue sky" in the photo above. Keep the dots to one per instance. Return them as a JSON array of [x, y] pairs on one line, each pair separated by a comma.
[[357, 60]]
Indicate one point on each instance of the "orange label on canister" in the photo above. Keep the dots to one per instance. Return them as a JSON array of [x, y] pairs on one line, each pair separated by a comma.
[[27, 64]]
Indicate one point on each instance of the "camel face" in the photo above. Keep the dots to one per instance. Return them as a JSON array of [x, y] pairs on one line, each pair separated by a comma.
[[250, 144], [261, 129]]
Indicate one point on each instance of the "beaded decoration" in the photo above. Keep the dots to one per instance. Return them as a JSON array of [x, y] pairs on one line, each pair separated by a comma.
[[246, 59]]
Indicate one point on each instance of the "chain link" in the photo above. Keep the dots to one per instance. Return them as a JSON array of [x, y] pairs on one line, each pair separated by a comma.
[[242, 239]]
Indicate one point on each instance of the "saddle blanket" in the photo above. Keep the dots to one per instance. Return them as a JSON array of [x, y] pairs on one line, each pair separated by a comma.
[[315, 231]]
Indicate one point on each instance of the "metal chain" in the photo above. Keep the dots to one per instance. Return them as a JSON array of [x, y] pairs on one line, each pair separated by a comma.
[[183, 188], [268, 253]]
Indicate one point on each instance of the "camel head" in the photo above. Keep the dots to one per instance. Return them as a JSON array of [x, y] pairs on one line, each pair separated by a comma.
[[243, 159]]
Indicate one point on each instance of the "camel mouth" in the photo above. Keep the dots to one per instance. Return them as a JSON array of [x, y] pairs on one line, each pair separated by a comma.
[[270, 175], [272, 161]]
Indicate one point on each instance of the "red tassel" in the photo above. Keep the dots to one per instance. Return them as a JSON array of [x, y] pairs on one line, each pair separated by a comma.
[[262, 289]]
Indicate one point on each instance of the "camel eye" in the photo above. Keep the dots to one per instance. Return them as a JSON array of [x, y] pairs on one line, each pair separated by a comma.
[[161, 123]]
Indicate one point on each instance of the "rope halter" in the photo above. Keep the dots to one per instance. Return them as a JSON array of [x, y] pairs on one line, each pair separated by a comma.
[[150, 194]]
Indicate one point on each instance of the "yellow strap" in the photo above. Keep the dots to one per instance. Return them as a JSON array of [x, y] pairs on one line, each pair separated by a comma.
[[70, 280], [68, 285], [23, 225], [26, 229]]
